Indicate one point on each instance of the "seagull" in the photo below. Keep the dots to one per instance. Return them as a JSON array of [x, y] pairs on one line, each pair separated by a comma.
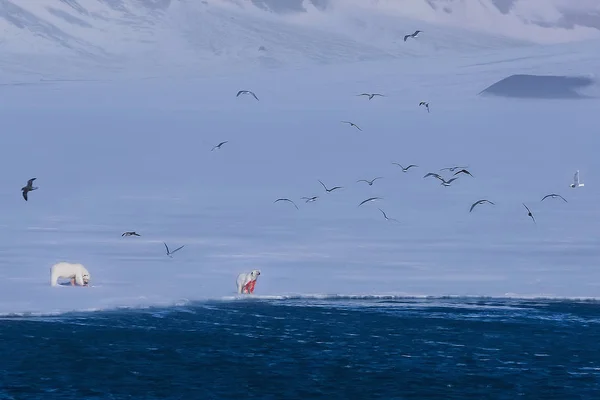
[[447, 182], [407, 168], [246, 92], [130, 234], [171, 252], [463, 171], [28, 188], [219, 145], [371, 95], [480, 202], [554, 195], [452, 169], [438, 176], [434, 175], [352, 124], [576, 181], [386, 217], [414, 35], [529, 213], [288, 201], [369, 182], [369, 199], [423, 103], [330, 190], [310, 199]]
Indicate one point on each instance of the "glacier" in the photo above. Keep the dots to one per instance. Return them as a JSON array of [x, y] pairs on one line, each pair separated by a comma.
[[114, 106]]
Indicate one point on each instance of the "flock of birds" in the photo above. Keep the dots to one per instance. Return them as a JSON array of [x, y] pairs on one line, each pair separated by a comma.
[[456, 170], [576, 183], [29, 187]]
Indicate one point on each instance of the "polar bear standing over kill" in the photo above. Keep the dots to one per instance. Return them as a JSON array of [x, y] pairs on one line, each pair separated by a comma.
[[76, 273], [247, 281]]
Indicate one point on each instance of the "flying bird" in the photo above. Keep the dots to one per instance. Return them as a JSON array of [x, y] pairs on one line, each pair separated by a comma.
[[414, 35], [28, 188], [576, 182], [352, 124], [219, 145], [386, 217], [369, 182], [447, 182], [452, 169], [463, 171], [424, 103], [288, 200], [554, 195], [438, 176], [407, 168], [246, 92], [371, 95], [434, 175], [480, 202], [369, 199], [310, 199], [330, 190], [529, 214], [130, 234], [169, 253]]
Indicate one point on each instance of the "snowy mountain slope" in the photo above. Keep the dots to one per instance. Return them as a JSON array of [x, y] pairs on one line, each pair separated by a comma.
[[540, 21], [62, 38], [177, 35]]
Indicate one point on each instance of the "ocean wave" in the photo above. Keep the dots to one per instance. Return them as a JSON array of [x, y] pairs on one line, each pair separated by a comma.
[[512, 296], [509, 300], [93, 310]]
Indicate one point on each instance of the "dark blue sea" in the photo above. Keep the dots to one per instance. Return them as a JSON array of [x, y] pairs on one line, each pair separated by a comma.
[[373, 348]]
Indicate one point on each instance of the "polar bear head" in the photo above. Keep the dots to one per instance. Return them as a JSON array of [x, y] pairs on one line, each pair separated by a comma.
[[85, 277], [254, 274]]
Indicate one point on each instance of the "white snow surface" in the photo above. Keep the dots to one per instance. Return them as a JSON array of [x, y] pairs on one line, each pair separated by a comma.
[[116, 114]]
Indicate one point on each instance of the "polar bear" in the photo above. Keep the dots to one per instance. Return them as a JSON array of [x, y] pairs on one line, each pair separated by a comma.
[[77, 273], [246, 281]]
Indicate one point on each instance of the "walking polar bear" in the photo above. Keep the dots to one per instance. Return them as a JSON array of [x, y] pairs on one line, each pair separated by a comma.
[[77, 273], [247, 281]]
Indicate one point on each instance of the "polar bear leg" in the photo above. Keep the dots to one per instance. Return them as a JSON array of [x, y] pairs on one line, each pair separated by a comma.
[[240, 283], [56, 272], [79, 278], [53, 277], [250, 287]]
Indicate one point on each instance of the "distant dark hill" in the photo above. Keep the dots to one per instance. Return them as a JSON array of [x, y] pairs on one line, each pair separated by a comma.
[[539, 87]]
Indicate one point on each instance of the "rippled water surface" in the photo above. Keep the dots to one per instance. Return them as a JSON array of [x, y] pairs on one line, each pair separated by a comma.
[[309, 349]]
